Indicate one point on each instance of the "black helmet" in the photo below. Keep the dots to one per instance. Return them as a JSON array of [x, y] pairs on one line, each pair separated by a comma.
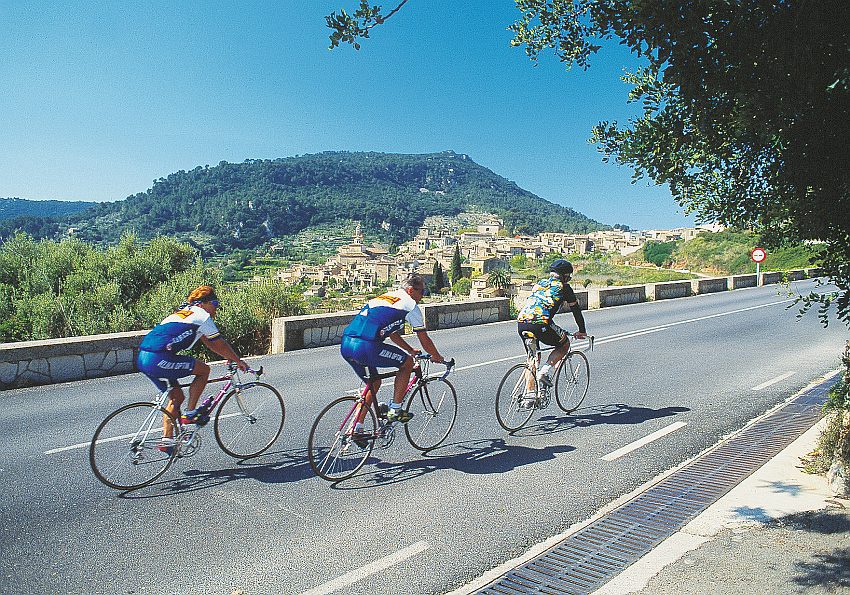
[[563, 267]]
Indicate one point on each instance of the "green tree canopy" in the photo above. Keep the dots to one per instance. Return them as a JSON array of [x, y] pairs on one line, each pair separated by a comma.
[[746, 106]]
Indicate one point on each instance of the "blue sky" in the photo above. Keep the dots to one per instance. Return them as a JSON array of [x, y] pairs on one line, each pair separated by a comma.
[[100, 100]]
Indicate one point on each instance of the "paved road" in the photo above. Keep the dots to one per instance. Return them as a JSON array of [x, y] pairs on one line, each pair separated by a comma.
[[268, 526]]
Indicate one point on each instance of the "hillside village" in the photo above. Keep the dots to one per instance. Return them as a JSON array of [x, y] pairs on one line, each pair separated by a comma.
[[484, 245]]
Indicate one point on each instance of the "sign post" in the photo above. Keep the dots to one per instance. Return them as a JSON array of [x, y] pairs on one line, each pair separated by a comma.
[[758, 255]]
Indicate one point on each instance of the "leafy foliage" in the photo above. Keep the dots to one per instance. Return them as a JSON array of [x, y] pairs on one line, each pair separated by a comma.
[[658, 253], [746, 108], [54, 289]]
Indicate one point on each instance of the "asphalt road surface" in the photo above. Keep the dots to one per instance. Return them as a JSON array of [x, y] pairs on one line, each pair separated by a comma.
[[407, 523]]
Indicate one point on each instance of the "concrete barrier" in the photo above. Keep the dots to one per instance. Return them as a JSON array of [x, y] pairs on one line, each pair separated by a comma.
[[814, 272], [796, 275], [710, 285], [616, 296], [32, 363], [319, 330], [770, 278], [467, 313], [668, 290], [310, 330], [741, 281]]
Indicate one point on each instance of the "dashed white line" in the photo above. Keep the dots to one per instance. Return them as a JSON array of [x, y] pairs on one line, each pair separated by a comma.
[[349, 578], [773, 381], [644, 441]]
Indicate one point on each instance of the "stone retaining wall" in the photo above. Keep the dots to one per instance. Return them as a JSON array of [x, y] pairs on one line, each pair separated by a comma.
[[741, 281], [319, 330], [669, 290], [710, 285], [31, 363]]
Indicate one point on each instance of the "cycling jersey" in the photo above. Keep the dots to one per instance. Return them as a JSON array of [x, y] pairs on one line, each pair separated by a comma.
[[180, 331], [385, 315], [158, 357], [545, 301]]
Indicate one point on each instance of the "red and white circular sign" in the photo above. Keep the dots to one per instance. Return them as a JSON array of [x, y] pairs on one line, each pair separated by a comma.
[[758, 254]]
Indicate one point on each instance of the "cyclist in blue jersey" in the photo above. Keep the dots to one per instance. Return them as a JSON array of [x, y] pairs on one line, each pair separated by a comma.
[[538, 315], [158, 358], [364, 349]]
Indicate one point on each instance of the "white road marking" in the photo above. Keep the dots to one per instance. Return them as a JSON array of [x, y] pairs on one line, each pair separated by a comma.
[[644, 441], [349, 578], [779, 378], [53, 451]]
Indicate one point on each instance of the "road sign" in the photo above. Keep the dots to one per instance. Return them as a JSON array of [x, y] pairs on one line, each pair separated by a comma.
[[758, 255]]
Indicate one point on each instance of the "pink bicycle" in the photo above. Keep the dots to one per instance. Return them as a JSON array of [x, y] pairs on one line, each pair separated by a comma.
[[336, 452], [126, 450]]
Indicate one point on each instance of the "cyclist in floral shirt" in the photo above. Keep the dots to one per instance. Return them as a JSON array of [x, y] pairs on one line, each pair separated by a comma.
[[538, 315]]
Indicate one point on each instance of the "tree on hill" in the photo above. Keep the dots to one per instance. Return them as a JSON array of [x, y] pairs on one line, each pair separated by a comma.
[[457, 270], [439, 278], [746, 106], [658, 253]]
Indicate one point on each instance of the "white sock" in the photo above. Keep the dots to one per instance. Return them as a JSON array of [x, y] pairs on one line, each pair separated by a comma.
[[544, 369], [394, 405], [358, 427]]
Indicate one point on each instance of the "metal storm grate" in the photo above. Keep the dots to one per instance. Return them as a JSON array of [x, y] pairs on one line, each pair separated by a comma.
[[592, 556]]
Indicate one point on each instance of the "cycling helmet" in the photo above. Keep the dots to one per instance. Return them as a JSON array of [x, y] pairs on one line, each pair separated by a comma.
[[563, 267]]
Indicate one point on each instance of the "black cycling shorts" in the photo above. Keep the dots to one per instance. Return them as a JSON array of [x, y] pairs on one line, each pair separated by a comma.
[[550, 334]]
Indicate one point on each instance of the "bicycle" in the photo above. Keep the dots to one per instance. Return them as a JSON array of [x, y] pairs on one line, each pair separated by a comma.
[[518, 395], [336, 452], [125, 450]]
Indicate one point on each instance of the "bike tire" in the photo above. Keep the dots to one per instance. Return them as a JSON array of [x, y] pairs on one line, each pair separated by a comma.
[[571, 384], [249, 420], [509, 397], [123, 452], [434, 407], [331, 450]]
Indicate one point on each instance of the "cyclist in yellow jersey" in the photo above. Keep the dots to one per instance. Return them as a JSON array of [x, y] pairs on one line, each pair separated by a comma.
[[538, 315]]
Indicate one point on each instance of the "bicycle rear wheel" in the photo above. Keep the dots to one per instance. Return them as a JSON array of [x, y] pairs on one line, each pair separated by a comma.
[[434, 407], [512, 411], [249, 420], [572, 381], [124, 451], [334, 451]]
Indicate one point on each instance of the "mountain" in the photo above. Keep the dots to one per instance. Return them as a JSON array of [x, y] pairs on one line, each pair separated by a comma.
[[20, 207], [244, 205]]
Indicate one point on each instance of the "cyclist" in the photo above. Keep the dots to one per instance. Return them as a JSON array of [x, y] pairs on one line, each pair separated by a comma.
[[364, 349], [538, 314], [159, 361]]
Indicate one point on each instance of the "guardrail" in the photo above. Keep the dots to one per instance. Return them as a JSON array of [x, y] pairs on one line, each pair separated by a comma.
[[51, 361]]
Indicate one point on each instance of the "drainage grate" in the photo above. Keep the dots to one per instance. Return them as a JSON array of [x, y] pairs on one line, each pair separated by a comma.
[[592, 556]]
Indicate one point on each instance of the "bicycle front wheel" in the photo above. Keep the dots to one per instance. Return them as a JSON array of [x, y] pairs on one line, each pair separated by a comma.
[[124, 452], [515, 397], [335, 452], [434, 407], [249, 420], [572, 381]]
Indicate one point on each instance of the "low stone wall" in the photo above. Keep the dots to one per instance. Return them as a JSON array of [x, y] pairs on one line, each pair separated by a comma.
[[669, 290], [741, 281], [468, 313], [770, 278], [310, 330], [319, 330], [710, 285], [32, 363], [52, 361], [796, 275], [616, 296]]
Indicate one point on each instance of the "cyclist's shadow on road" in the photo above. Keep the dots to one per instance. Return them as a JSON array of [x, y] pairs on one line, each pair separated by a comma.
[[613, 413], [478, 457], [272, 467]]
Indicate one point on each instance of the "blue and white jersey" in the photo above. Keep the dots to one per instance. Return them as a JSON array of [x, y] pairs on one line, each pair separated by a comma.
[[385, 315], [180, 331]]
